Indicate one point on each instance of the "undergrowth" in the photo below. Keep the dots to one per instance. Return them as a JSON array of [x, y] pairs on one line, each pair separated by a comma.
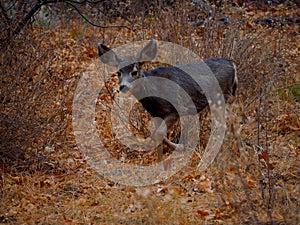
[[254, 179]]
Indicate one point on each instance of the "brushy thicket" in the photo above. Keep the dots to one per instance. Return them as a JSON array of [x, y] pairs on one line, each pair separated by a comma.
[[255, 177], [36, 98]]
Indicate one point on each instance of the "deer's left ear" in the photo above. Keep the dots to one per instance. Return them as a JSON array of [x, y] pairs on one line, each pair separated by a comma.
[[149, 52]]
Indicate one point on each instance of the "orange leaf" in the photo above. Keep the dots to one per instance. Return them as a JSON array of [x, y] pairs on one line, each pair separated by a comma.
[[264, 156], [202, 213]]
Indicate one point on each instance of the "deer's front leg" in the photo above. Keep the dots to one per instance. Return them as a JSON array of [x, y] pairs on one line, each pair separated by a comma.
[[157, 134], [160, 133]]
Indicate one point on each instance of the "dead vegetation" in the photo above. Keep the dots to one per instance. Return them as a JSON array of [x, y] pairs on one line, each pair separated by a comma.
[[255, 178]]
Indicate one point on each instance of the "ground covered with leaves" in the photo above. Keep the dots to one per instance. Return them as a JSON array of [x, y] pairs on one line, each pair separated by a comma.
[[255, 178]]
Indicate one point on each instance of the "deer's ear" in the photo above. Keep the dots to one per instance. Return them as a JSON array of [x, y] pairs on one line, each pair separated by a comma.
[[148, 53], [108, 56]]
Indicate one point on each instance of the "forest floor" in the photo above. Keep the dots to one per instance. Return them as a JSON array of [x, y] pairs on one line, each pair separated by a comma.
[[56, 184]]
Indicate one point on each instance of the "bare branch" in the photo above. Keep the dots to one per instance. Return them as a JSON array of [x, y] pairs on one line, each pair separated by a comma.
[[90, 22], [72, 3], [25, 19], [4, 12], [203, 5]]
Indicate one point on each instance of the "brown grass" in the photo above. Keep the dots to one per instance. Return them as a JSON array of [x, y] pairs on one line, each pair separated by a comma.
[[45, 179]]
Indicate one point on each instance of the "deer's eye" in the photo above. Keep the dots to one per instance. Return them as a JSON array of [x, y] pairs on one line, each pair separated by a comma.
[[118, 73], [134, 74]]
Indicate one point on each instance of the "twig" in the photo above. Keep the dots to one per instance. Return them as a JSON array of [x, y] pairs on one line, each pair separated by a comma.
[[90, 22]]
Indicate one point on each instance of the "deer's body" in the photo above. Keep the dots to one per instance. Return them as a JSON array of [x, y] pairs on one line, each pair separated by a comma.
[[129, 70], [225, 75]]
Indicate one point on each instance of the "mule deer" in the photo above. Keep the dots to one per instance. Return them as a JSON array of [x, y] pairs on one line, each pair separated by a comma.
[[129, 70]]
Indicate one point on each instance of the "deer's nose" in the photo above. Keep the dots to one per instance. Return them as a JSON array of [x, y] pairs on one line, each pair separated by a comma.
[[124, 88]]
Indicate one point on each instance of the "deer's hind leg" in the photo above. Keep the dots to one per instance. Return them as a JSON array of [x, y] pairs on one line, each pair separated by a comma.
[[170, 121]]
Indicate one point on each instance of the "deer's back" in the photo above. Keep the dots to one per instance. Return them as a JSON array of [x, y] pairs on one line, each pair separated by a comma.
[[222, 69]]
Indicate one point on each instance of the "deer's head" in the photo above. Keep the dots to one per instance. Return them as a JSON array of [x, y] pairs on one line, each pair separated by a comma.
[[128, 68]]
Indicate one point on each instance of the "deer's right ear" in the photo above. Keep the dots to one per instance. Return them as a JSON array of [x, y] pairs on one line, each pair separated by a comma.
[[108, 56]]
